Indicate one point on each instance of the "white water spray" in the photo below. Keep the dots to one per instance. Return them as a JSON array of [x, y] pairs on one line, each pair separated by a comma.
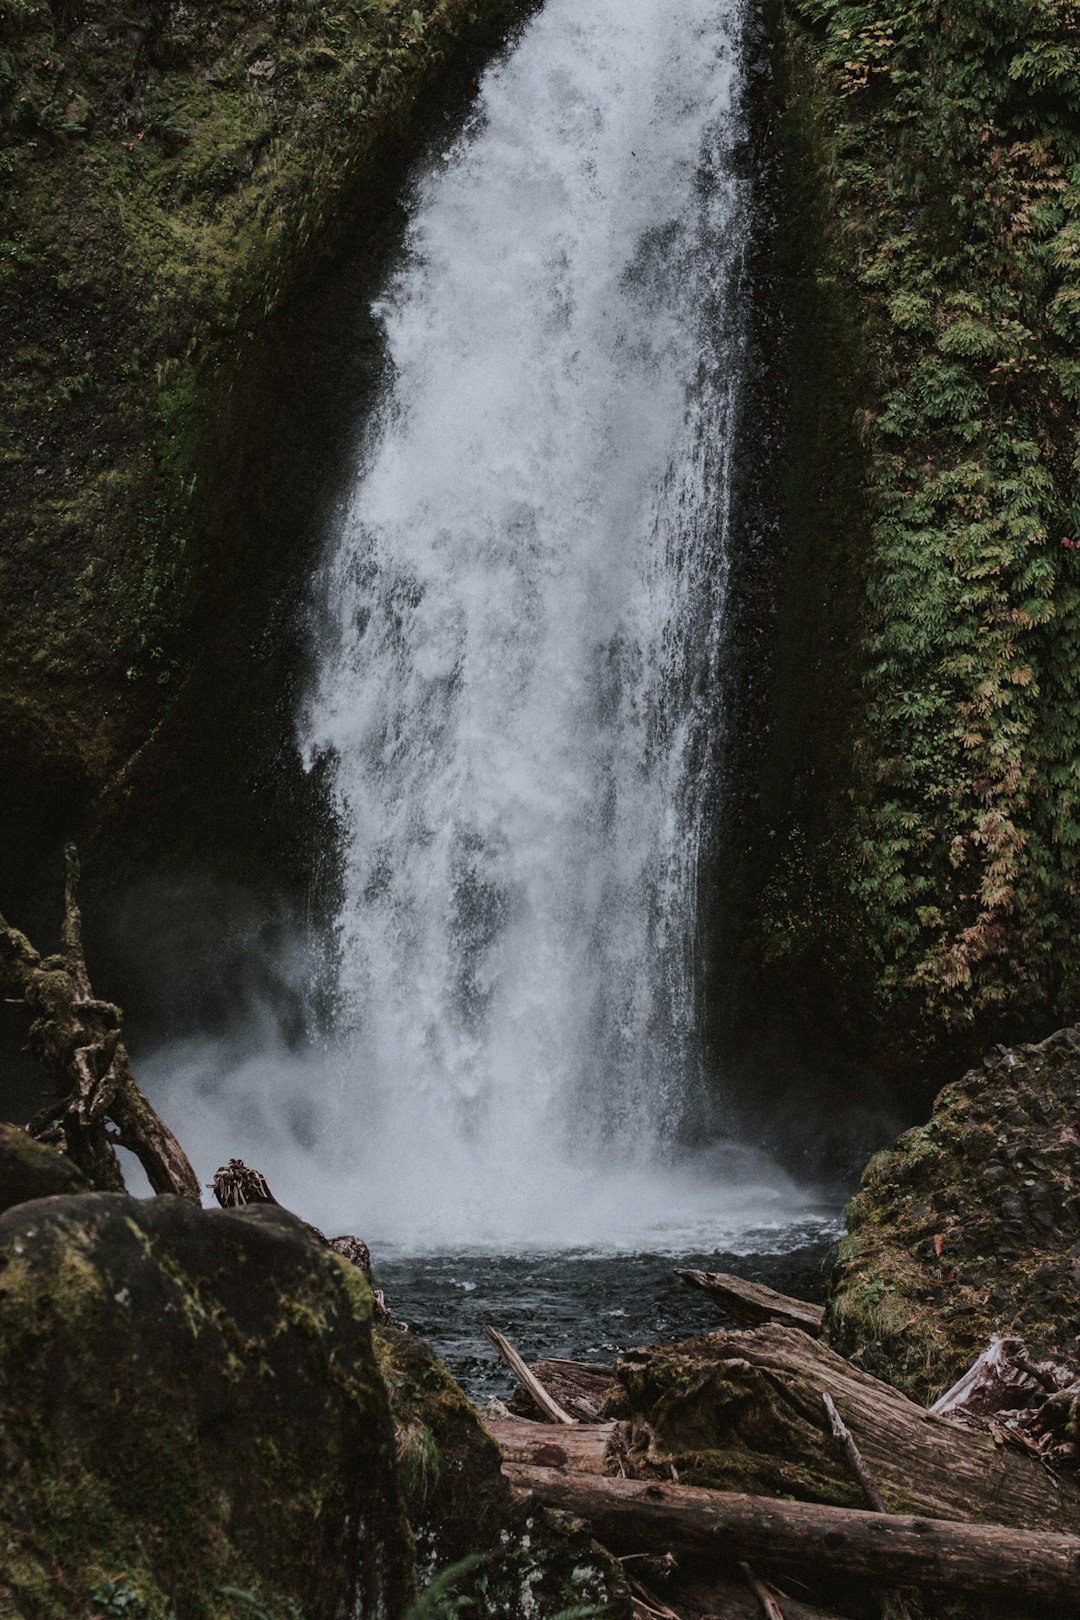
[[518, 681], [528, 603]]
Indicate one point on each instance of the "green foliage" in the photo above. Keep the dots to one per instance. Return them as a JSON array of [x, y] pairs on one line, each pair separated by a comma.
[[440, 1600], [118, 1598], [955, 176]]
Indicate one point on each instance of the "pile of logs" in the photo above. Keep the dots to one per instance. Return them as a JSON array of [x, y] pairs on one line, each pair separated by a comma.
[[948, 1506]]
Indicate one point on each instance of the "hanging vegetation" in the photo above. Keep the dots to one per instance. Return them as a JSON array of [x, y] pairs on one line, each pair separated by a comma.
[[952, 139]]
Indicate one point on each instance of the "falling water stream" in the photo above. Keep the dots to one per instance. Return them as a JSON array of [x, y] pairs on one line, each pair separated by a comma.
[[520, 673]]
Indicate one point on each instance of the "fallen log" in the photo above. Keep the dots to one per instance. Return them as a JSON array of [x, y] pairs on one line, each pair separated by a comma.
[[894, 1604], [76, 1038], [754, 1303], [977, 1558], [742, 1411], [583, 1448], [578, 1386], [548, 1407]]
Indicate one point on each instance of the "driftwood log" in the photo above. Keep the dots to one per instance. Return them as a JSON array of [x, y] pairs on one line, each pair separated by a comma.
[[743, 1411], [76, 1038], [976, 1558], [578, 1386], [584, 1448], [1035, 1404], [545, 1403], [754, 1303]]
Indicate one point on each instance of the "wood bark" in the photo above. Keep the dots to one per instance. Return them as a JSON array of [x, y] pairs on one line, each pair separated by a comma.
[[746, 1414], [894, 1604], [976, 1558], [578, 1386], [76, 1038], [754, 1303], [584, 1448], [546, 1405]]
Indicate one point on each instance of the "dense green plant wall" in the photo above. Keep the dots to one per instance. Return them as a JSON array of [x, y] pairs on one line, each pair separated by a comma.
[[952, 167]]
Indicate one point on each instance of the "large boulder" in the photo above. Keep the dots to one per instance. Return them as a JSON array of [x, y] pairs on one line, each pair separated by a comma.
[[969, 1226], [31, 1169], [192, 1419]]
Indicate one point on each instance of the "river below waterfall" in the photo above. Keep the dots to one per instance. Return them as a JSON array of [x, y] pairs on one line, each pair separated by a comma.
[[578, 1305]]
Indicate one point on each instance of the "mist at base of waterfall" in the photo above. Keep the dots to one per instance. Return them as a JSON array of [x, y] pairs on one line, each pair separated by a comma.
[[432, 1192]]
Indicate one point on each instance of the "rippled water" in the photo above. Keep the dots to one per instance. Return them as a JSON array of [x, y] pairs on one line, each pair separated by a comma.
[[582, 1306]]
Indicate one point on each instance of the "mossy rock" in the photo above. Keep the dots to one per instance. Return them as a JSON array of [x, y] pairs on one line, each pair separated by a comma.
[[704, 1410], [969, 1226], [191, 1412], [29, 1169], [531, 1562], [168, 179]]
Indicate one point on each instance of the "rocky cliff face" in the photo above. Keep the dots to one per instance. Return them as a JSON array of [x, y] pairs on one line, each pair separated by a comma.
[[168, 176], [920, 857]]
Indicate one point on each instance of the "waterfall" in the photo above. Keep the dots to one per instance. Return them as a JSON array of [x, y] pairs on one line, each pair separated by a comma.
[[524, 609]]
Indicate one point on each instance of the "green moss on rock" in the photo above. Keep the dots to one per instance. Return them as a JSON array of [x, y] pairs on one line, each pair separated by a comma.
[[29, 1169], [167, 176], [933, 873], [969, 1226], [189, 1405]]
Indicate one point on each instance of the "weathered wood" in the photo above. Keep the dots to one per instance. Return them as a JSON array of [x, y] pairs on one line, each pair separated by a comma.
[[578, 1386], [549, 1407], [1034, 1404], [76, 1039], [743, 1411], [976, 1558], [584, 1448], [894, 1605], [769, 1606], [842, 1433], [754, 1303]]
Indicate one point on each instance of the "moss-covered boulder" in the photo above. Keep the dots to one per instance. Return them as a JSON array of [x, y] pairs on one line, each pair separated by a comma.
[[529, 1562], [29, 1169], [969, 1226], [169, 174], [193, 1421]]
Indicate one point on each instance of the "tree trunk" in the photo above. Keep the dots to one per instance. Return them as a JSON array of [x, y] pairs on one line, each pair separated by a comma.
[[983, 1558]]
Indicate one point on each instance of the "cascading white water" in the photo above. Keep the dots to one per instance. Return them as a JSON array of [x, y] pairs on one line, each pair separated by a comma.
[[526, 606]]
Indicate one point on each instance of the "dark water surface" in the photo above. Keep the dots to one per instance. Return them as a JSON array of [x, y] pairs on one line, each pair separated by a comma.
[[582, 1306]]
